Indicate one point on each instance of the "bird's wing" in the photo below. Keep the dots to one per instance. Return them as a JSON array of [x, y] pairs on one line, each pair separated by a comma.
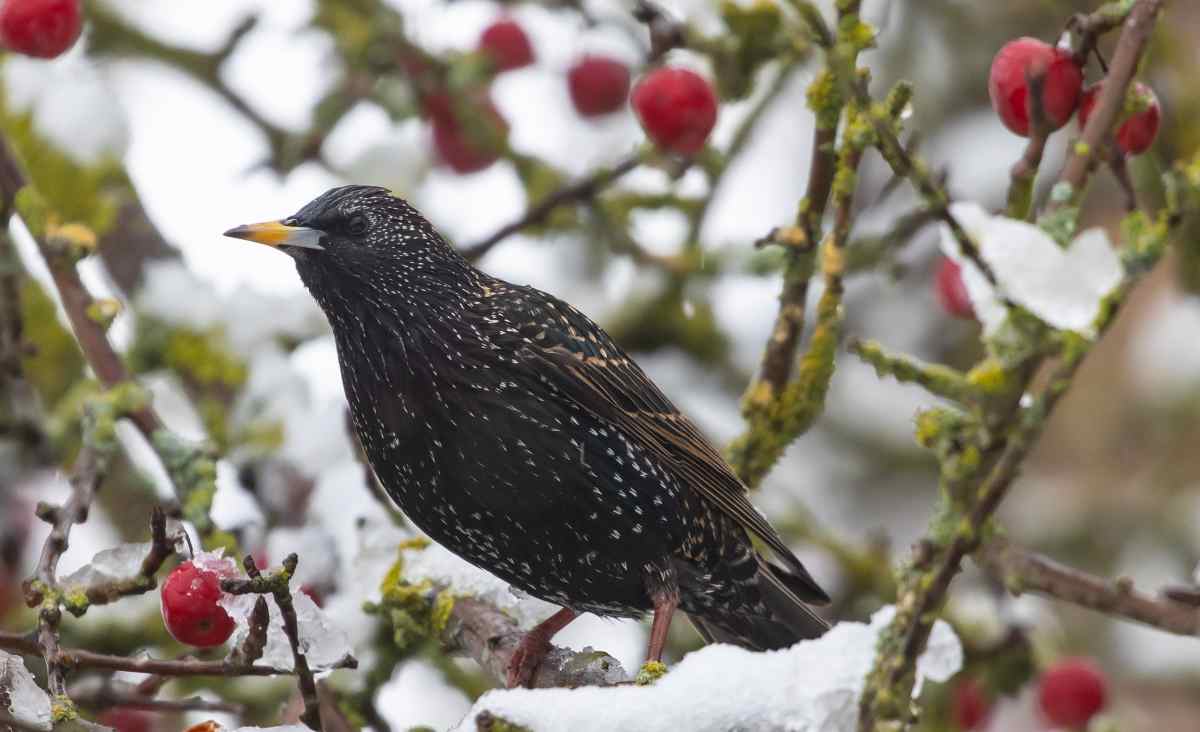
[[583, 362]]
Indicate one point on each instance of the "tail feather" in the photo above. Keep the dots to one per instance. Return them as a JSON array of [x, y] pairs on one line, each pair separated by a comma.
[[789, 619]]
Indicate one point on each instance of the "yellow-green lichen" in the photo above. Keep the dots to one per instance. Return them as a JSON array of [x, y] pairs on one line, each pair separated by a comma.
[[650, 672]]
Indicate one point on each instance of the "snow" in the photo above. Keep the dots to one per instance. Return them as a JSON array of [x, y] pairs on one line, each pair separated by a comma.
[[119, 562], [1062, 287], [436, 564], [321, 641], [26, 701], [316, 548], [1164, 353], [812, 686], [71, 103]]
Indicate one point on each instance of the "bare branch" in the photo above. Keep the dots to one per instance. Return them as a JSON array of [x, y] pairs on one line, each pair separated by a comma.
[[1022, 570], [490, 637], [1085, 153], [81, 658], [43, 590], [576, 192]]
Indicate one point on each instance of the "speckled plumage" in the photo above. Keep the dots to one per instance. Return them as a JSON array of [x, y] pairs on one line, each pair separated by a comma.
[[513, 430]]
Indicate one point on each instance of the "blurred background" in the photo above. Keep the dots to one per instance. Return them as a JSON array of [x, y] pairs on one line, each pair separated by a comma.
[[208, 115]]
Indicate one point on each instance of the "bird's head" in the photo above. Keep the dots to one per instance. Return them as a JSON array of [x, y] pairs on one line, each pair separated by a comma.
[[361, 232]]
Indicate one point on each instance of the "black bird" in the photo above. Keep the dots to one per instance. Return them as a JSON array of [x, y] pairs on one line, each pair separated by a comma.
[[513, 430]]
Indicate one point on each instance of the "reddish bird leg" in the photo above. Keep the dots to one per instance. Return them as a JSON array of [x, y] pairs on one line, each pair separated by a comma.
[[664, 609], [534, 646]]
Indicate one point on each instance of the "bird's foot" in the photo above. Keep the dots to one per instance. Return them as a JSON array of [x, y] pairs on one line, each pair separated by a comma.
[[529, 654]]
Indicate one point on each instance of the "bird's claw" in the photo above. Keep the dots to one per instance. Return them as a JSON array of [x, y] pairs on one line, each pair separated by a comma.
[[529, 654]]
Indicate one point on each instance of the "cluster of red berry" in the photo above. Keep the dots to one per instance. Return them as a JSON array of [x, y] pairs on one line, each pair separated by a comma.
[[1070, 693], [1059, 75], [677, 108], [41, 28]]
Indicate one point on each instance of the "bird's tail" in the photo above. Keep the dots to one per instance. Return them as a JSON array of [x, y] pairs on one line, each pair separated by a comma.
[[789, 619]]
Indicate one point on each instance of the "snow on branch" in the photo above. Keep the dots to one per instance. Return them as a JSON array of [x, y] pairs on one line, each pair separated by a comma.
[[814, 686]]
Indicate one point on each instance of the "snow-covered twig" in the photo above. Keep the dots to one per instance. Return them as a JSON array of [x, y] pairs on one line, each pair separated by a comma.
[[277, 585], [1022, 570], [973, 491]]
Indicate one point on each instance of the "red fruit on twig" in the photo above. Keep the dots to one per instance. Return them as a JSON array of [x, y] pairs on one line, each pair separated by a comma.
[[41, 28], [969, 705], [1072, 691], [467, 148], [190, 609], [677, 108], [1008, 83], [598, 85], [507, 45], [124, 719], [950, 290], [1142, 115]]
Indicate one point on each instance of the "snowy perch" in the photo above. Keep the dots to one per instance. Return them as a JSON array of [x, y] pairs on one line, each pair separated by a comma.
[[490, 637], [812, 686], [487, 620]]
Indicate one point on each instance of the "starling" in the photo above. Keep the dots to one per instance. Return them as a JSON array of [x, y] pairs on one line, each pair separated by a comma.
[[515, 432]]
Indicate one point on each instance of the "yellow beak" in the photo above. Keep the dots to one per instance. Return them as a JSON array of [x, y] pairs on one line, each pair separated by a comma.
[[278, 234]]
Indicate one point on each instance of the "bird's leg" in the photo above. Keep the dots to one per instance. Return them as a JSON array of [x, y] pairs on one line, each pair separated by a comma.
[[533, 647], [664, 609]]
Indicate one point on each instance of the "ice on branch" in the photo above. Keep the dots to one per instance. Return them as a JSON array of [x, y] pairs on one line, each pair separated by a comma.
[[439, 566], [323, 643], [814, 686], [1063, 287], [119, 562], [27, 702]]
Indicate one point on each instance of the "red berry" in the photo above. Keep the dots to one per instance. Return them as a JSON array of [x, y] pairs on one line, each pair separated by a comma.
[[190, 609], [42, 28], [1137, 132], [505, 41], [1008, 86], [598, 85], [124, 719], [677, 109], [313, 594], [1071, 692], [950, 290], [455, 142], [969, 705]]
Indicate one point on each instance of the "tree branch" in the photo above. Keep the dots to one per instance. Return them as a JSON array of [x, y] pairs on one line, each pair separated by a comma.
[[580, 190], [82, 658], [88, 472], [490, 637], [277, 584], [1022, 570], [1085, 152]]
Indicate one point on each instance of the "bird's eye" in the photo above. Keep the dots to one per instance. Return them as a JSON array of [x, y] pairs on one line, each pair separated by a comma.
[[357, 224]]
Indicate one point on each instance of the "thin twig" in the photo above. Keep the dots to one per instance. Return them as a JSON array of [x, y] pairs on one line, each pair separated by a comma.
[[1024, 172], [82, 658], [277, 585], [1084, 154], [86, 476], [1022, 570], [106, 698], [580, 190], [76, 300]]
